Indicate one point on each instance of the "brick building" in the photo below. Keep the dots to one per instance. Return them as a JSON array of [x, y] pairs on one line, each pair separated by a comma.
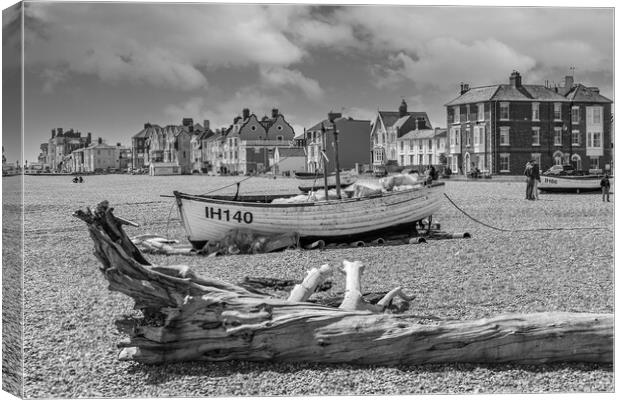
[[353, 145], [498, 128]]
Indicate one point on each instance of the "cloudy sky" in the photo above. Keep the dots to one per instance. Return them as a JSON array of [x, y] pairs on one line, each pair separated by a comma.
[[109, 68]]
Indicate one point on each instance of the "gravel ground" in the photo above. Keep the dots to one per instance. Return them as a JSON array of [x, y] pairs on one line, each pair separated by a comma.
[[70, 338]]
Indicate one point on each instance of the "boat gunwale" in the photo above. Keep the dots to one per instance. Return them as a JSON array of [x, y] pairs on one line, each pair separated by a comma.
[[208, 199]]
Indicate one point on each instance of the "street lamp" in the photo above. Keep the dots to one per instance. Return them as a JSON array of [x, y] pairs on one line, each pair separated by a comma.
[[332, 116]]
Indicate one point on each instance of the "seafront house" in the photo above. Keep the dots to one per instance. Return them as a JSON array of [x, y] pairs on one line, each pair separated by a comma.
[[498, 128], [61, 145], [164, 150], [250, 142], [198, 138], [212, 151], [353, 144], [422, 147], [387, 127], [98, 157]]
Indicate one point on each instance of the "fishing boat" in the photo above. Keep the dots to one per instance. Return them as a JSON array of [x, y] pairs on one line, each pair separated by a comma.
[[314, 181], [570, 183], [210, 217]]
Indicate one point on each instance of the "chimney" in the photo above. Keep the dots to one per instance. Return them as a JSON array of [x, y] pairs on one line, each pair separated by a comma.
[[568, 81], [59, 131], [188, 122], [118, 144], [147, 125], [89, 138], [99, 140], [53, 133], [594, 90], [275, 113], [515, 79], [464, 88], [402, 109], [206, 124], [246, 113]]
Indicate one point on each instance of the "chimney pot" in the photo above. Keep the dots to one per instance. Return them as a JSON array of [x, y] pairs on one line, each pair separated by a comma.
[[568, 81], [515, 79], [274, 113], [246, 113], [207, 124]]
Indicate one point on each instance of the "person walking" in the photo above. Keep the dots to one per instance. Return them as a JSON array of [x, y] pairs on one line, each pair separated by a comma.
[[605, 185], [528, 179]]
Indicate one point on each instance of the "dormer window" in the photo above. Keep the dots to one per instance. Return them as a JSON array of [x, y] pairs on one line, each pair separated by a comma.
[[280, 138]]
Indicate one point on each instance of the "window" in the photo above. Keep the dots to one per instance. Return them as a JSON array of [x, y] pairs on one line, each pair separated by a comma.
[[557, 111], [594, 163], [420, 145], [504, 110], [280, 138], [574, 115], [504, 162], [536, 157], [402, 160], [457, 114], [430, 144], [467, 112], [596, 139], [481, 112], [504, 136], [476, 134], [457, 136], [410, 145], [535, 111], [596, 115], [557, 136], [402, 145], [420, 159], [535, 136], [467, 137], [575, 137], [410, 160]]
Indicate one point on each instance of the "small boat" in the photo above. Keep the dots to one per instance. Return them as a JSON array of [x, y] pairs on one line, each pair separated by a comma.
[[312, 181], [570, 183], [210, 217]]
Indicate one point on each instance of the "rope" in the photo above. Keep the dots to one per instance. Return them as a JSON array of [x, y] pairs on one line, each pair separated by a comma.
[[519, 230]]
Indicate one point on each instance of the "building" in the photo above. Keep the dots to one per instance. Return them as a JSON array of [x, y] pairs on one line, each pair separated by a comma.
[[168, 146], [353, 144], [60, 146], [213, 151], [249, 142], [198, 138], [288, 160], [499, 128], [422, 147], [387, 127]]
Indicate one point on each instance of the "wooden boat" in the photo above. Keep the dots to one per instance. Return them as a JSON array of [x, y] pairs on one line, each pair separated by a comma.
[[570, 183], [209, 217], [312, 181]]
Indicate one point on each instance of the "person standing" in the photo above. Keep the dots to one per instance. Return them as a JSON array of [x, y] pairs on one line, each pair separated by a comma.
[[528, 179], [535, 179], [605, 185]]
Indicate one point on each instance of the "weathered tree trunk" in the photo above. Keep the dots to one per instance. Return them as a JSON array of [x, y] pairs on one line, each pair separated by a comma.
[[191, 318]]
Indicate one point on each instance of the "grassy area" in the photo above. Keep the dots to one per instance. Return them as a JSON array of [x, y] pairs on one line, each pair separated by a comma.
[[70, 338]]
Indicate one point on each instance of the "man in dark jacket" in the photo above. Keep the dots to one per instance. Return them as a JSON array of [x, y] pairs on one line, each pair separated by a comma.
[[605, 185], [535, 179]]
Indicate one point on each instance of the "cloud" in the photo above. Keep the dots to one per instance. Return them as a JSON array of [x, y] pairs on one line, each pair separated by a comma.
[[52, 77], [161, 45], [279, 77]]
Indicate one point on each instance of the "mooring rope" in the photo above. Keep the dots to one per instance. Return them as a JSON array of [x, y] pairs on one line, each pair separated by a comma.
[[520, 230]]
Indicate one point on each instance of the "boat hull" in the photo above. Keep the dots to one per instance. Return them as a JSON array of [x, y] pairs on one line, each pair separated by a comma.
[[576, 184], [208, 218]]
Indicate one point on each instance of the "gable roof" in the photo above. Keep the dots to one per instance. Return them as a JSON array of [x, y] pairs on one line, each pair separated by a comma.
[[506, 92], [581, 93], [390, 118], [418, 134]]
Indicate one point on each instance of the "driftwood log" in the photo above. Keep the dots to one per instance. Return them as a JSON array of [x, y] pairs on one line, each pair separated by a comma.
[[187, 317]]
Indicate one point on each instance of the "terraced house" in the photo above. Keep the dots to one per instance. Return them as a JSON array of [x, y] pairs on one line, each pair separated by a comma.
[[387, 128], [498, 128], [250, 142]]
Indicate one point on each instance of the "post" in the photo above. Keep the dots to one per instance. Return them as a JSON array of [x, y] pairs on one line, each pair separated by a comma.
[[324, 160], [332, 118]]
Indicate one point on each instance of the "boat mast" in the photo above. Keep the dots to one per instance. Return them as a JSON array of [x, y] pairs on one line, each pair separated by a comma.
[[332, 118]]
